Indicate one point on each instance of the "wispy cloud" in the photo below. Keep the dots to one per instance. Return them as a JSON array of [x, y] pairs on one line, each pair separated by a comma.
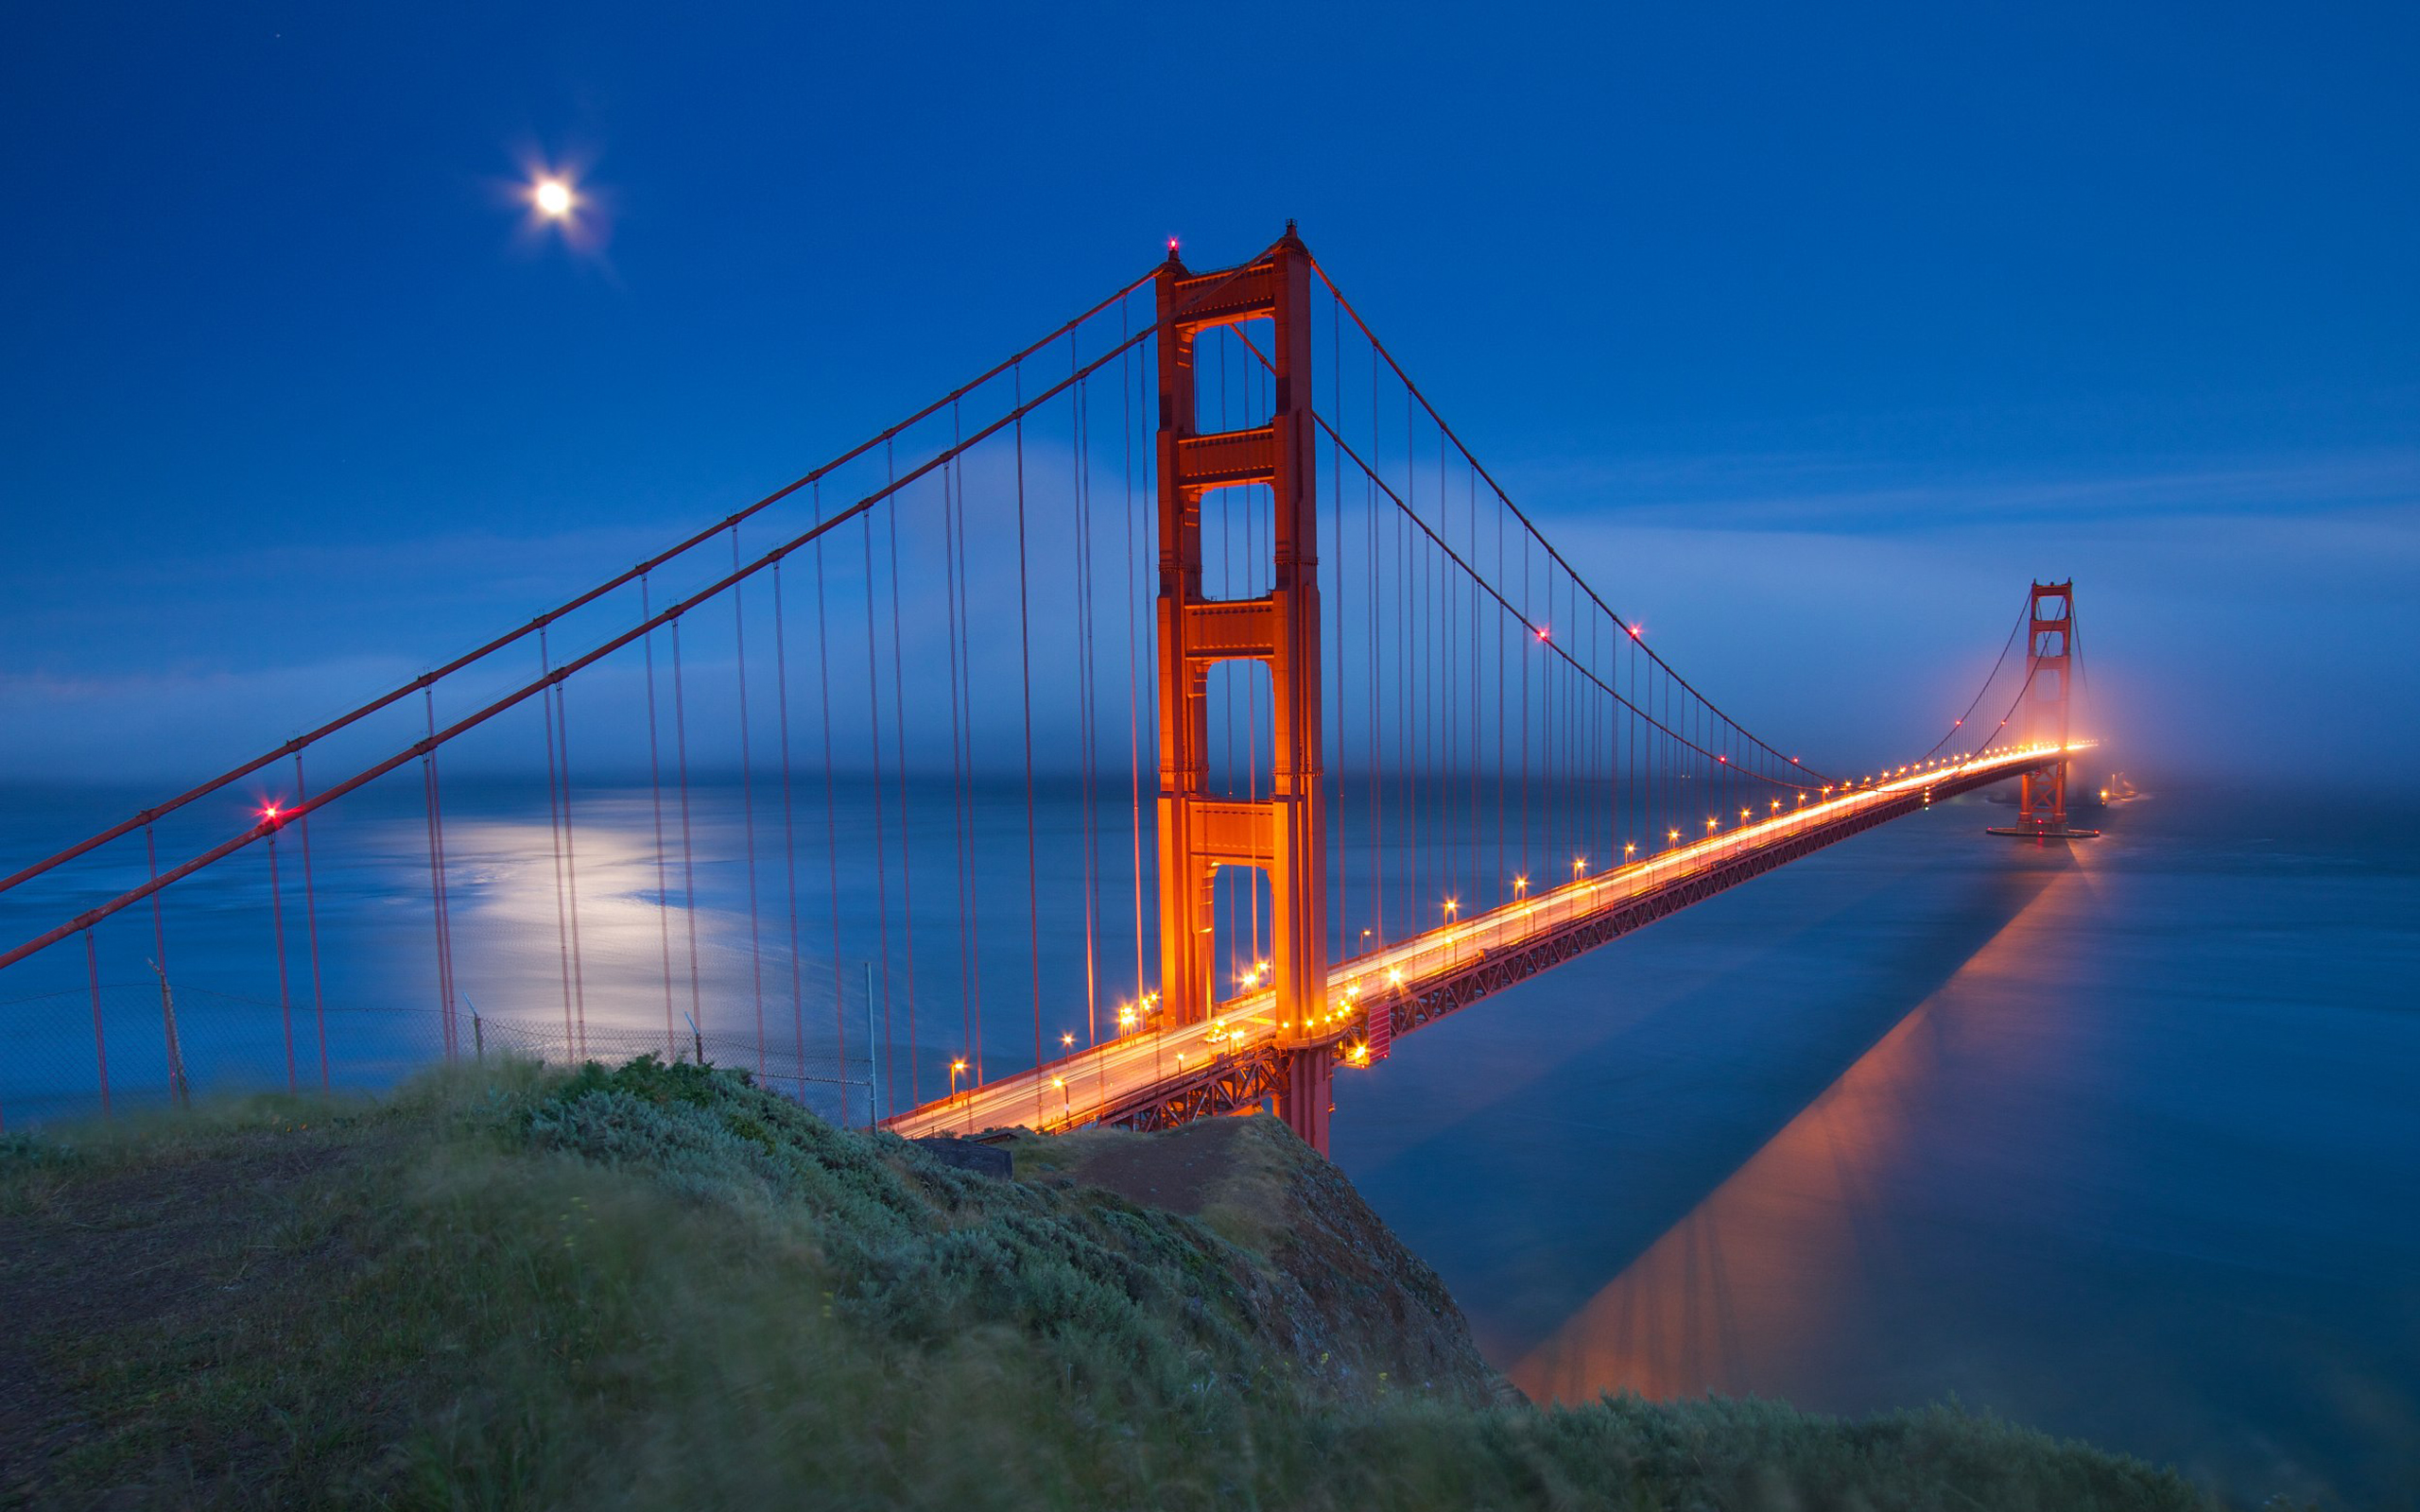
[[1840, 495]]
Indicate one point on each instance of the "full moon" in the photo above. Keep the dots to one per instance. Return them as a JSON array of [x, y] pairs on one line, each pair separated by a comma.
[[554, 198]]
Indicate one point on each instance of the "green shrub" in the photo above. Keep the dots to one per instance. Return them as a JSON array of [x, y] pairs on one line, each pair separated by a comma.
[[660, 1285]]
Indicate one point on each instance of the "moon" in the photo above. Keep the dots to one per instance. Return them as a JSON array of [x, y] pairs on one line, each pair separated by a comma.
[[553, 198]]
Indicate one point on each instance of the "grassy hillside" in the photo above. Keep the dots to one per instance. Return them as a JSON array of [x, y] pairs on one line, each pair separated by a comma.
[[662, 1287]]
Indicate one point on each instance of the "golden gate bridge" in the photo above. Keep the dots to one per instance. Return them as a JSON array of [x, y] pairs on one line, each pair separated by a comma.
[[1350, 745]]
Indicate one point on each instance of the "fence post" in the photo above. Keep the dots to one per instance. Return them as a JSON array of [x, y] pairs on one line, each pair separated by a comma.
[[101, 1041], [179, 1090]]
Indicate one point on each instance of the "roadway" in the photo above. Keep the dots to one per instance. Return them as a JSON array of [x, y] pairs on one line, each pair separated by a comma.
[[1104, 1080]]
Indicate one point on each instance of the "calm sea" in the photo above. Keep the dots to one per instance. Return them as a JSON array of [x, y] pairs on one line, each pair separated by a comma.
[[2119, 1140]]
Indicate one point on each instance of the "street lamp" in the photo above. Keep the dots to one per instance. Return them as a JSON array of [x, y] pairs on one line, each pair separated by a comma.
[[1520, 885], [956, 1069], [1067, 1040], [1579, 868], [1060, 1082], [1630, 848]]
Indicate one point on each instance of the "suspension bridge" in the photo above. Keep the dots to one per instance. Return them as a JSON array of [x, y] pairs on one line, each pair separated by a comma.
[[1169, 715]]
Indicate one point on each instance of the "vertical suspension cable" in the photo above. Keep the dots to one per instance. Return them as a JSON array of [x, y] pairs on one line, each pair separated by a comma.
[[555, 839], [277, 935], [1548, 791], [951, 483], [832, 841], [1025, 688], [1501, 702], [899, 744], [1338, 914], [1407, 681], [1527, 613], [1441, 701], [747, 801], [966, 659], [1086, 732], [789, 827], [1133, 650], [688, 847], [1473, 813], [571, 868], [655, 796], [439, 905], [881, 853], [1377, 732]]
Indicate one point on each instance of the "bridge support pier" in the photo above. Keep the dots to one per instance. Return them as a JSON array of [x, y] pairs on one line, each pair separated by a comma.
[[1310, 1089]]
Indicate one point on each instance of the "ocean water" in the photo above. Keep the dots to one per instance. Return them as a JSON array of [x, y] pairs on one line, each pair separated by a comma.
[[2119, 1139]]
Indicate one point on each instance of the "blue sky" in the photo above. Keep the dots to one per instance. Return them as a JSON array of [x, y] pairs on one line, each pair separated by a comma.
[[1779, 317]]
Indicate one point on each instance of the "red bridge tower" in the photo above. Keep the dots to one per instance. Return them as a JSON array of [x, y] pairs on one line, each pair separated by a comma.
[[1284, 835], [2049, 658]]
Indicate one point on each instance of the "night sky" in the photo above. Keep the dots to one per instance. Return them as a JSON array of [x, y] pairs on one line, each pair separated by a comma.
[[1813, 337]]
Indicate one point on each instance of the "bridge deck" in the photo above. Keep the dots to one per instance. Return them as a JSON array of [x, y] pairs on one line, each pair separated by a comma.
[[1164, 1074]]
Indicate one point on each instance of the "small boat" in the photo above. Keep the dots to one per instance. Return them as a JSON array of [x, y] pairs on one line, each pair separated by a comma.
[[2119, 790]]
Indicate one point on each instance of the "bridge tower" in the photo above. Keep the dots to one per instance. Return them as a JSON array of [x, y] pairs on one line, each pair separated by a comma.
[[2049, 660], [1284, 835]]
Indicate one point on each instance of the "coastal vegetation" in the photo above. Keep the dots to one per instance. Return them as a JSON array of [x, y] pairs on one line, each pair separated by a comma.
[[662, 1286]]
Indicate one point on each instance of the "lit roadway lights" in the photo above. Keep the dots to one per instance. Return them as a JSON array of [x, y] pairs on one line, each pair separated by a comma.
[[1131, 1070]]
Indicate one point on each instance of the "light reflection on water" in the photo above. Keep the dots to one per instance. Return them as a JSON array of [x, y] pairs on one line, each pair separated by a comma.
[[2119, 1145], [1804, 1219], [514, 917]]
